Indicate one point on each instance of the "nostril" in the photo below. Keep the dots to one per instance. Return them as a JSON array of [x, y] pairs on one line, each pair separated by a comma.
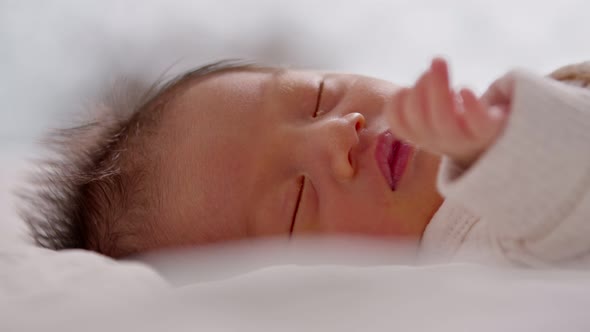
[[360, 122]]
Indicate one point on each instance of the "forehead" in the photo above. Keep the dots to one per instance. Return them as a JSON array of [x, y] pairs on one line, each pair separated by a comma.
[[214, 112], [234, 107], [214, 137]]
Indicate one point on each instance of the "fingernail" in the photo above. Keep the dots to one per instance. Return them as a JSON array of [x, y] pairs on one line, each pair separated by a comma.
[[497, 112], [458, 100]]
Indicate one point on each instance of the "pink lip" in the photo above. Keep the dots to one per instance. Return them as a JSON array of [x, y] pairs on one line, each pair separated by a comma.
[[392, 157]]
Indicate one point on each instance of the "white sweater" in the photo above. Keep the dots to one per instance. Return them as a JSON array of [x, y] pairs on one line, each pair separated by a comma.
[[526, 201]]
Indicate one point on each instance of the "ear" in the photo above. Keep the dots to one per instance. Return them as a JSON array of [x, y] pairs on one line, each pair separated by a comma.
[[576, 74]]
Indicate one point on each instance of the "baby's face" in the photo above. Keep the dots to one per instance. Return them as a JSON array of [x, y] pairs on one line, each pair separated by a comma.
[[272, 152]]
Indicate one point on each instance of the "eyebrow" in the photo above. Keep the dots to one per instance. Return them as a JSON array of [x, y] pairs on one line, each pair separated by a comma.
[[277, 81], [285, 88]]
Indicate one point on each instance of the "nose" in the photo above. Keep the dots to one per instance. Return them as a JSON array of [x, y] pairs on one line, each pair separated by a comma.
[[342, 135]]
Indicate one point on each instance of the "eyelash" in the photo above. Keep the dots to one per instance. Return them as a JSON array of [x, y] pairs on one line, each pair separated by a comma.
[[317, 111], [297, 203]]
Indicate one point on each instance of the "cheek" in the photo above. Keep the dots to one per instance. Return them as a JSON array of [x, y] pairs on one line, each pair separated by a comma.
[[363, 215]]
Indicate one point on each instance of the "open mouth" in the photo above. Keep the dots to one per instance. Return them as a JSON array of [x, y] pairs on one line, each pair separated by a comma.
[[392, 157]]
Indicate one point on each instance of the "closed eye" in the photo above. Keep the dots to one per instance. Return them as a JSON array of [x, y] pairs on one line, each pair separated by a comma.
[[297, 203], [317, 110]]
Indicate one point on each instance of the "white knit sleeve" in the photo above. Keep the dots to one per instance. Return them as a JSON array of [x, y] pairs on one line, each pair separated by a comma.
[[532, 186]]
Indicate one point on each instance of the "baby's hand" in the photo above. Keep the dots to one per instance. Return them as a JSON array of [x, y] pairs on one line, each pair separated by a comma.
[[431, 115]]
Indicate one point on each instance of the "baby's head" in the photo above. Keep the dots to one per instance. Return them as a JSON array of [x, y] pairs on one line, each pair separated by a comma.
[[231, 151]]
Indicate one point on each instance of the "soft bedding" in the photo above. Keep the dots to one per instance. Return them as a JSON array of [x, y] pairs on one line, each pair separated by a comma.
[[76, 291]]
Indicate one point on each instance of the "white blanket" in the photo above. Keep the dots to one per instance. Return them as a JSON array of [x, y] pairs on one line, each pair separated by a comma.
[[77, 291]]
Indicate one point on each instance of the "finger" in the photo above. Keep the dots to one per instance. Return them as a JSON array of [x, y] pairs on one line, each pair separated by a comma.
[[459, 112], [500, 91], [475, 113], [422, 90], [482, 121], [415, 111], [440, 100], [399, 123]]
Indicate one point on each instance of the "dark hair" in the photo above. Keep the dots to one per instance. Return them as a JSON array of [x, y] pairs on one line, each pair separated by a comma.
[[96, 174]]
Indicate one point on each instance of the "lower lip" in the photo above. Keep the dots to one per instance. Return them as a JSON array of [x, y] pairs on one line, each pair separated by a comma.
[[399, 161], [392, 158]]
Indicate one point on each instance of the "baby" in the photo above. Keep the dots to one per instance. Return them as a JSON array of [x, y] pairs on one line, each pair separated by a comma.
[[232, 151]]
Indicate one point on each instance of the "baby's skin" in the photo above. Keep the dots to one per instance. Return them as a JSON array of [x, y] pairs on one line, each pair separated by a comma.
[[459, 125]]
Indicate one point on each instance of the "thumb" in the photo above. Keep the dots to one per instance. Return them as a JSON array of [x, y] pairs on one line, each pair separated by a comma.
[[500, 92]]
